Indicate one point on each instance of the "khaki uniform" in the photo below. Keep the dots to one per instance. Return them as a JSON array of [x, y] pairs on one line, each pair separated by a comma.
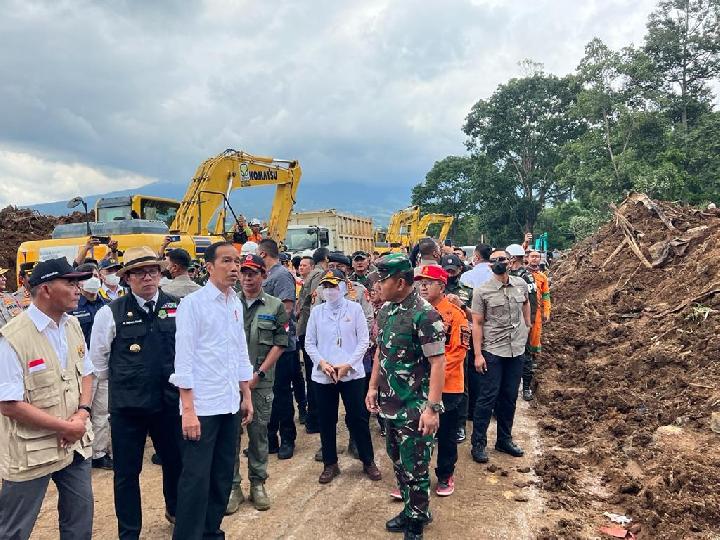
[[9, 308], [265, 327], [31, 452], [181, 286]]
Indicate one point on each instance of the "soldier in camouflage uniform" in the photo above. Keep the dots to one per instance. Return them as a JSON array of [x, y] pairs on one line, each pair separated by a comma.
[[406, 387], [363, 272]]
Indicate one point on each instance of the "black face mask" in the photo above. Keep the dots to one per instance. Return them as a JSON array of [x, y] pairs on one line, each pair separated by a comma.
[[453, 279], [167, 274], [499, 268]]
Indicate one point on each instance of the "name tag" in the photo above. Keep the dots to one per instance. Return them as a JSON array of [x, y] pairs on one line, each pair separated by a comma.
[[36, 365], [265, 317]]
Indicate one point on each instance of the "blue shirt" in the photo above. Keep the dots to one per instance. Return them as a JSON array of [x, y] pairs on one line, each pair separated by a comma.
[[280, 283]]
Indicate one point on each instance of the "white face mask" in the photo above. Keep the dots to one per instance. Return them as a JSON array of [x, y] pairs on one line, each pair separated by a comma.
[[91, 285], [112, 280], [331, 295]]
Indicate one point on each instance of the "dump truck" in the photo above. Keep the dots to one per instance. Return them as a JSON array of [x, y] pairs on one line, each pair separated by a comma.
[[334, 230]]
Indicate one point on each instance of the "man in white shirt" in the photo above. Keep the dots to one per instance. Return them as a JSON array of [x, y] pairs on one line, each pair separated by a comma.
[[336, 340], [480, 272], [212, 370]]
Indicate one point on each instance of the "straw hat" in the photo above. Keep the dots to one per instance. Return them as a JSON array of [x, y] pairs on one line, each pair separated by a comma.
[[137, 257]]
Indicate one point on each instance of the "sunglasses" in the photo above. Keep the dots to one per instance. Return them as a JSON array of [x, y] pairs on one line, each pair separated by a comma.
[[499, 259]]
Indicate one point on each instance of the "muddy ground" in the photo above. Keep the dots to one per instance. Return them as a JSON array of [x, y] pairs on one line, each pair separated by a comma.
[[483, 506]]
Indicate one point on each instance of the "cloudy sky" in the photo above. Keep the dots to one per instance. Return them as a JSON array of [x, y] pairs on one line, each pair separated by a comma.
[[100, 96]]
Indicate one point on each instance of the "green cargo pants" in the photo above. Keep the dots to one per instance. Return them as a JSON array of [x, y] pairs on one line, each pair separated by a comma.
[[262, 399]]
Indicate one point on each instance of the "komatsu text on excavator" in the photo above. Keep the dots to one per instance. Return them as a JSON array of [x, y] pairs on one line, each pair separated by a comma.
[[199, 219]]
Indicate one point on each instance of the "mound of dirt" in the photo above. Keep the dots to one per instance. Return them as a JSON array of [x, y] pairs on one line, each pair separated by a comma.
[[18, 225], [630, 375]]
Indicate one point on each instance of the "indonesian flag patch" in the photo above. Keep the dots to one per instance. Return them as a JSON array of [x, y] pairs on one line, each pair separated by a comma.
[[36, 365]]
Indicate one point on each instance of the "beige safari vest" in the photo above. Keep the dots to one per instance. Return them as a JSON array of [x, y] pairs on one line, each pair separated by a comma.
[[31, 452]]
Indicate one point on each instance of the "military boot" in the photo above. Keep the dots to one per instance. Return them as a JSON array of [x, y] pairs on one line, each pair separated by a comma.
[[235, 500], [259, 497]]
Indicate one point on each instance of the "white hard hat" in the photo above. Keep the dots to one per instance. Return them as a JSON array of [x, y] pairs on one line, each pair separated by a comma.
[[712, 206], [255, 221], [515, 250], [249, 248]]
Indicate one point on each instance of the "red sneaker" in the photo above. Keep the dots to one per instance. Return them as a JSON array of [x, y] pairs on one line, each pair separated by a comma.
[[445, 488], [395, 494]]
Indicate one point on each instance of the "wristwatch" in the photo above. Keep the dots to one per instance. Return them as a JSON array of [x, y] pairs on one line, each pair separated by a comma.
[[85, 408], [260, 373], [436, 407]]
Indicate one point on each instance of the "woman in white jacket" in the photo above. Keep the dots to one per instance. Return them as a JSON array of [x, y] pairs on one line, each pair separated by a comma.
[[336, 340]]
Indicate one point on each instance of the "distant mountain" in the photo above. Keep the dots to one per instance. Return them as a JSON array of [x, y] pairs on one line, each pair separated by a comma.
[[375, 201]]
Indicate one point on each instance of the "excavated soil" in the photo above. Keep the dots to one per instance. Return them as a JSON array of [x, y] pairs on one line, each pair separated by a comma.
[[18, 225], [630, 376]]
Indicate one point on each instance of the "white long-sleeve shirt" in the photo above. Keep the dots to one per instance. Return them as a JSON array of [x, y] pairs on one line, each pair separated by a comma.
[[103, 334], [338, 337], [211, 355]]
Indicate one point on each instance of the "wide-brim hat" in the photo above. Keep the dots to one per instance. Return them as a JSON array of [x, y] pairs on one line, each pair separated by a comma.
[[137, 257], [3, 271]]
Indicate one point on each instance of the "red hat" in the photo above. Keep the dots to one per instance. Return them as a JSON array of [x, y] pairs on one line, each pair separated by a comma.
[[254, 262], [432, 271]]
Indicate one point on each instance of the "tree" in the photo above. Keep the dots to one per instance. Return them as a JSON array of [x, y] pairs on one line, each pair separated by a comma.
[[683, 42], [521, 129]]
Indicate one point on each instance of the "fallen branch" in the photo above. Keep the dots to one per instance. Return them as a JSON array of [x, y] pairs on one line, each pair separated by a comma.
[[612, 255], [629, 232], [682, 305], [653, 207]]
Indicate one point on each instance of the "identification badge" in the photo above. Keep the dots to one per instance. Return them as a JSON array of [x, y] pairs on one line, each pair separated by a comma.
[[135, 348], [37, 365], [81, 351]]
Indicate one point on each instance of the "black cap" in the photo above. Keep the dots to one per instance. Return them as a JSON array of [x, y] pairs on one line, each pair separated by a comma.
[[59, 268], [26, 267], [284, 256], [340, 258], [451, 261], [333, 276], [360, 255]]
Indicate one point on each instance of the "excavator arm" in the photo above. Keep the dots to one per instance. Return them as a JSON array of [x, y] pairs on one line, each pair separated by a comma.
[[428, 221], [203, 208], [402, 226]]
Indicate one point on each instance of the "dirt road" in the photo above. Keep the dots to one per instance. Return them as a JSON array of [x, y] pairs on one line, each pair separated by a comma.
[[483, 506]]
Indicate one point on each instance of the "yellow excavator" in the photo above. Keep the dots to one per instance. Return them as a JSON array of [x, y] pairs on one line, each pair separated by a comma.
[[407, 228], [195, 222]]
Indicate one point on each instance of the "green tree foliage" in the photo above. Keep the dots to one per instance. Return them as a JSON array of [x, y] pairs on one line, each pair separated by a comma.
[[549, 153]]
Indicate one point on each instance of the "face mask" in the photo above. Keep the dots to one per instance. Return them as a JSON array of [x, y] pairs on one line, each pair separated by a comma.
[[499, 268], [167, 274], [112, 280], [91, 286], [331, 295], [453, 279]]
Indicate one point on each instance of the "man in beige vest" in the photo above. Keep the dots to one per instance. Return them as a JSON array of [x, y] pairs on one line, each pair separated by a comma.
[[45, 395]]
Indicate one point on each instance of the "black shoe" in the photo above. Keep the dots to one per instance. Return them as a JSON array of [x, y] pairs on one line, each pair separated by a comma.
[[460, 435], [273, 445], [286, 451], [479, 455], [509, 447], [400, 522], [528, 395], [155, 459], [311, 429], [104, 462], [414, 530], [302, 415]]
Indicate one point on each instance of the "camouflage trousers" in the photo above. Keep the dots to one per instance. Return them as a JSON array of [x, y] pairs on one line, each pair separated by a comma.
[[410, 452], [262, 399]]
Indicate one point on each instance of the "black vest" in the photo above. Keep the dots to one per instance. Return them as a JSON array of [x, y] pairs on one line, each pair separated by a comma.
[[142, 357]]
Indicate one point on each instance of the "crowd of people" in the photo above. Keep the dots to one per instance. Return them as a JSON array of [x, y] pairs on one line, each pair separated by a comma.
[[211, 360]]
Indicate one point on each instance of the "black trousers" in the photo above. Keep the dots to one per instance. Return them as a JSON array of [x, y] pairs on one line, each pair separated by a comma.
[[447, 445], [206, 478], [356, 418], [129, 433], [298, 384], [282, 417], [528, 370], [497, 389], [311, 419]]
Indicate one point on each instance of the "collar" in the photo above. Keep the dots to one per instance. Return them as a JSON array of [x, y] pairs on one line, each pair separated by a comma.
[[259, 298], [213, 292], [141, 301], [497, 284], [405, 304], [182, 277], [41, 320]]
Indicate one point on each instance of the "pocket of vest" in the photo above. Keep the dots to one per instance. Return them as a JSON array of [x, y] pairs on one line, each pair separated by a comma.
[[266, 331], [41, 450], [44, 397]]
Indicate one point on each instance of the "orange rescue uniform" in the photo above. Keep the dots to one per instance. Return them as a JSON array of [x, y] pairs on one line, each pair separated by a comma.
[[457, 343], [543, 311]]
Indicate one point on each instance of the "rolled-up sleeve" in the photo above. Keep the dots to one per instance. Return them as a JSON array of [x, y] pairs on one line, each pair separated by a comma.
[[101, 338], [431, 333], [478, 302], [185, 346], [12, 387]]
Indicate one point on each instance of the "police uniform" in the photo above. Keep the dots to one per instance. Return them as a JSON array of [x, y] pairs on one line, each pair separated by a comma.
[[527, 276], [409, 332], [9, 308], [265, 319]]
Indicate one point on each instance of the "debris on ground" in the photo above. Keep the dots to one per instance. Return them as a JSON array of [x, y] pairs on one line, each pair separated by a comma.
[[629, 378], [18, 225]]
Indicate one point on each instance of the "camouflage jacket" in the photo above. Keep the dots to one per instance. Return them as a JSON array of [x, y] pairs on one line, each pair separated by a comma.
[[409, 333], [461, 291], [527, 276]]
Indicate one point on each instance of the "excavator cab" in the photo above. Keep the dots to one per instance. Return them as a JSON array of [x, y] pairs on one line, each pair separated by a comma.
[[110, 209]]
